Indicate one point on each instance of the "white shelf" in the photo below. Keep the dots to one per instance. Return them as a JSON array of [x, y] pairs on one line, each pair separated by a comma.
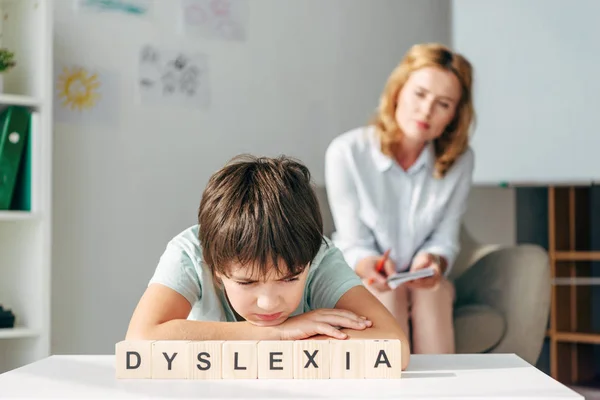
[[17, 216], [17, 332], [19, 100], [580, 281], [26, 27]]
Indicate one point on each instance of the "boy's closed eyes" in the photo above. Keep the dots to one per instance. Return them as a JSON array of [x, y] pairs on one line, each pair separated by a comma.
[[263, 301]]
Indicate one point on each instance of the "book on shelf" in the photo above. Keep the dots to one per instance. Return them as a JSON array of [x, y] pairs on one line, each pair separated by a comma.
[[7, 318], [15, 158]]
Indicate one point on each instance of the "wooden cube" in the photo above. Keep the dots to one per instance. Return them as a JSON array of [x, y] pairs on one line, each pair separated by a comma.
[[311, 359], [347, 359], [383, 359], [206, 360], [170, 359], [240, 359], [133, 359], [276, 359]]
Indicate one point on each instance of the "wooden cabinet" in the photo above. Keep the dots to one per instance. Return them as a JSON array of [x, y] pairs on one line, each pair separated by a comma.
[[575, 269]]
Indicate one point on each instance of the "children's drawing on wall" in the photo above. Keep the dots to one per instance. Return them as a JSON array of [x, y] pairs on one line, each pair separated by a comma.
[[135, 7], [84, 95], [170, 77], [215, 19]]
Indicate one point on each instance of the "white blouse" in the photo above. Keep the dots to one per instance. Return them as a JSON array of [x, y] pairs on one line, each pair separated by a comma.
[[376, 205]]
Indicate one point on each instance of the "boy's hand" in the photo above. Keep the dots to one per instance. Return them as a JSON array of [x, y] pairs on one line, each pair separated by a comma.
[[321, 322]]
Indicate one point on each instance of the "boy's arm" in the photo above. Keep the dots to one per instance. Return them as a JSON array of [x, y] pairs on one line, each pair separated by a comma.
[[335, 285], [161, 314], [361, 302]]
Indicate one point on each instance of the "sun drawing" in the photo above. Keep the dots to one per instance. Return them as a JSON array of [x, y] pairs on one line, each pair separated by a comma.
[[78, 88]]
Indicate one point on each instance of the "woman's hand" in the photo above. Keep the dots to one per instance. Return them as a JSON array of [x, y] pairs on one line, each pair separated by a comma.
[[425, 260], [367, 270], [321, 322]]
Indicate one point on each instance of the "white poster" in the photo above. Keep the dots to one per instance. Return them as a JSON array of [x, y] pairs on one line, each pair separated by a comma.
[[215, 19], [173, 78], [84, 94]]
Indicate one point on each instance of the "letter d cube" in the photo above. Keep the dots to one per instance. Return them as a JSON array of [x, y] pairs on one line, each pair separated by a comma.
[[133, 359]]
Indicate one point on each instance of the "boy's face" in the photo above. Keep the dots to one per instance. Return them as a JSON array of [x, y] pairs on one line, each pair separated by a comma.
[[264, 302]]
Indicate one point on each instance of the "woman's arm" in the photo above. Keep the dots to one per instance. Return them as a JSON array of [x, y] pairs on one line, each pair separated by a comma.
[[353, 237], [444, 241]]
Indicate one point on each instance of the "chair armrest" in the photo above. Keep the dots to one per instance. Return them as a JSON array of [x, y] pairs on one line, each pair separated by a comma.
[[469, 256], [481, 251], [515, 281]]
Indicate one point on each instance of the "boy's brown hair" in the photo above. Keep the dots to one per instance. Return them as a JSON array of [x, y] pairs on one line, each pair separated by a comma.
[[262, 213]]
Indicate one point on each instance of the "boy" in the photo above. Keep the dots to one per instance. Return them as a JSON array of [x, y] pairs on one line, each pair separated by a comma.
[[257, 266]]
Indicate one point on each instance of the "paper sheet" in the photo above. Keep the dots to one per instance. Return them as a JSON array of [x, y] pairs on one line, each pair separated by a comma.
[[134, 7], [85, 94], [173, 78], [215, 19]]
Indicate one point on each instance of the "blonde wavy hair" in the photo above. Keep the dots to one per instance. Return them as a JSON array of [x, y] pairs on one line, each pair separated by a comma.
[[455, 139]]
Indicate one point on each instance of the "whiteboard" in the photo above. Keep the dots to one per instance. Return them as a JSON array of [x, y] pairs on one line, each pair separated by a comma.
[[537, 88]]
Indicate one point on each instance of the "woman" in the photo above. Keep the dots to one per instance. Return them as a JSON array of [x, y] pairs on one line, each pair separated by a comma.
[[401, 184]]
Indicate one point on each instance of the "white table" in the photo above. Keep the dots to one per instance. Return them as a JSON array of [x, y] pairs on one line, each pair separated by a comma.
[[497, 376]]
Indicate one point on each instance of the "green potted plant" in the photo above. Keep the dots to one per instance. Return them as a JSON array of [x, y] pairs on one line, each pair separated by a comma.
[[7, 62]]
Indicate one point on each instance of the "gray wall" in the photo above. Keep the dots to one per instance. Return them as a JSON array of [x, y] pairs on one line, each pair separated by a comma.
[[120, 193]]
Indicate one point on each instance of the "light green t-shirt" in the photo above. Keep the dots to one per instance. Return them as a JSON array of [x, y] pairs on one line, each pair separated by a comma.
[[182, 269]]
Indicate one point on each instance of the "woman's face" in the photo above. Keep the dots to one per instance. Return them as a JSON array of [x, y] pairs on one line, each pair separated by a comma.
[[427, 104]]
